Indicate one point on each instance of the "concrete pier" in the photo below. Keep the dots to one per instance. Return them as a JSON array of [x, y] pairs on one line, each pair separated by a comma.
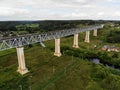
[[21, 61], [102, 25], [75, 41], [87, 37], [57, 47], [95, 32]]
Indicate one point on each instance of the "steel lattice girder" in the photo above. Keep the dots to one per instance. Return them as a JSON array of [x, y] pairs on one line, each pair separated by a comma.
[[12, 42]]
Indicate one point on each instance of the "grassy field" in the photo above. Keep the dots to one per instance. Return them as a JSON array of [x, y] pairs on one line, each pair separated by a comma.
[[47, 72]]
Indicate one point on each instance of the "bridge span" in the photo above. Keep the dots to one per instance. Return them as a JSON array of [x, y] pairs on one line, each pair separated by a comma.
[[19, 42]]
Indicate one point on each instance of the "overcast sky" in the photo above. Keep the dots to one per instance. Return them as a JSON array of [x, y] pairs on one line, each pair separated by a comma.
[[59, 9]]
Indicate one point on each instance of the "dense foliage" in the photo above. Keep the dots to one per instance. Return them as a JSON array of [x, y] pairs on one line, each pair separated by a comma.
[[113, 60], [44, 25], [114, 36]]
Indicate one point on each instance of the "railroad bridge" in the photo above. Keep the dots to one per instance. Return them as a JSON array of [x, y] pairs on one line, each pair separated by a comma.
[[19, 42]]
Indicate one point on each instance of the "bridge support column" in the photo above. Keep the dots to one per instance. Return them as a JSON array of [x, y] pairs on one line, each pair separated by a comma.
[[75, 41], [21, 61], [95, 32], [57, 47], [87, 37]]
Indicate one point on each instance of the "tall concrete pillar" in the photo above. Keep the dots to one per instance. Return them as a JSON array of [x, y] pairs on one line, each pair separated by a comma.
[[21, 61], [57, 47], [95, 32], [102, 25], [87, 37], [75, 41]]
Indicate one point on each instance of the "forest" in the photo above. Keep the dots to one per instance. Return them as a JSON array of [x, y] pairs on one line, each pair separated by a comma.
[[46, 25]]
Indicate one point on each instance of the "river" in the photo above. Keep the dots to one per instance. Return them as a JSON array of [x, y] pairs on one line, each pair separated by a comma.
[[97, 61]]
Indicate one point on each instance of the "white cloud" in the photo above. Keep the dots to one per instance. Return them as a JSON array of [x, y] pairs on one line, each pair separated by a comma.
[[117, 13], [7, 11], [58, 9], [109, 0], [78, 15], [112, 0], [100, 13]]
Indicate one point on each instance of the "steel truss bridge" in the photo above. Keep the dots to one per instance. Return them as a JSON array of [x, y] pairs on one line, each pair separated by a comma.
[[18, 41]]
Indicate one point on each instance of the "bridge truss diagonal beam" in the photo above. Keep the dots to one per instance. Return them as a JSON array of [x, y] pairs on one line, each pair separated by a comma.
[[13, 42]]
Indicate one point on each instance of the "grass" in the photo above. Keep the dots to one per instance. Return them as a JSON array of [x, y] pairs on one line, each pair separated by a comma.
[[48, 72], [6, 52]]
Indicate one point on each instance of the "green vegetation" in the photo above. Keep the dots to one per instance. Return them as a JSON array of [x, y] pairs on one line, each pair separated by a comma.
[[114, 36], [112, 59], [31, 28], [47, 25], [15, 28], [71, 71]]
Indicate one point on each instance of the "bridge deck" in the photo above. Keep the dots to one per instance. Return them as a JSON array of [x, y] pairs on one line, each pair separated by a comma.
[[12, 42]]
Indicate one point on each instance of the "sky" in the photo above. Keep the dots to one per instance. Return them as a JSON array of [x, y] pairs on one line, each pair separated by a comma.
[[59, 10]]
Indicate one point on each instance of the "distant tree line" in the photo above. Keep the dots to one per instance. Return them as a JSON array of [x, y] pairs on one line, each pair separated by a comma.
[[44, 25]]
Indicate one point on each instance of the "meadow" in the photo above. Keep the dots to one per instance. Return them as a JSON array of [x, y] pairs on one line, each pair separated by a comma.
[[68, 72]]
